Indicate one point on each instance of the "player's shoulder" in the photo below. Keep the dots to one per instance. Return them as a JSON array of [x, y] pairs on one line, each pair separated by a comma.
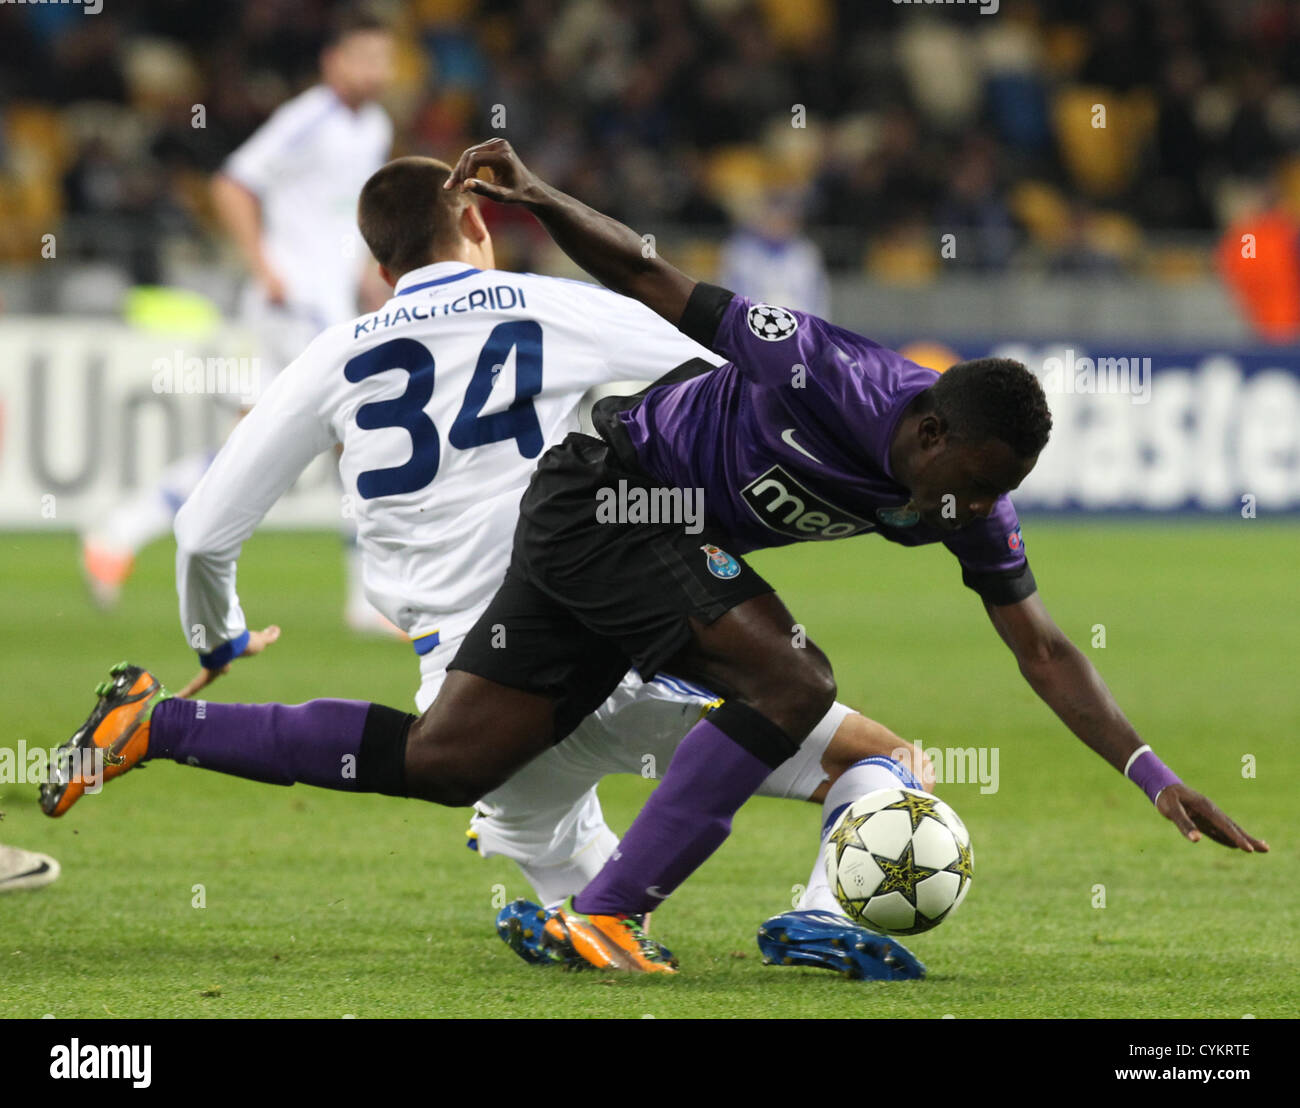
[[303, 115], [848, 363], [312, 102], [335, 343], [774, 324]]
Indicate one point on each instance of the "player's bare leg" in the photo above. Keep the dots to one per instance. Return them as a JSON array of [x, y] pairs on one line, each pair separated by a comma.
[[473, 737]]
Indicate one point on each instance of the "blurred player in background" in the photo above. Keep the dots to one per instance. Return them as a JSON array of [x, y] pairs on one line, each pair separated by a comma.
[[770, 259], [25, 869], [287, 199]]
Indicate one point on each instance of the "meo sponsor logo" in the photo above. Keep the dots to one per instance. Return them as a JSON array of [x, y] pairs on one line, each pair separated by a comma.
[[785, 506]]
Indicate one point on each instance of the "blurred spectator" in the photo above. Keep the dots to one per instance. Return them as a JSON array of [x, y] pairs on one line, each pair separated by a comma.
[[975, 209], [1259, 260], [920, 117], [771, 260]]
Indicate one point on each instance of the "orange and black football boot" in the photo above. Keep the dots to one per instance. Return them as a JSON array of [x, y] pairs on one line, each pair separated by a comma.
[[605, 942], [110, 742]]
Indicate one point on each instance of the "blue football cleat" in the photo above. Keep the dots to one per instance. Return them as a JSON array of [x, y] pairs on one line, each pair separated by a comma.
[[521, 925], [834, 942]]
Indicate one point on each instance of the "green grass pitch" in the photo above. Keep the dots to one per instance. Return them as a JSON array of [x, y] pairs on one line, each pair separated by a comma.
[[323, 904]]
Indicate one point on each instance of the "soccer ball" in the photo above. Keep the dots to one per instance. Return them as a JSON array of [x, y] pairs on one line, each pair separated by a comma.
[[899, 861]]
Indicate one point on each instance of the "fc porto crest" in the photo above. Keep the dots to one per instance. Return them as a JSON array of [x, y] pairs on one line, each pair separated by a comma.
[[721, 564], [898, 517], [770, 323]]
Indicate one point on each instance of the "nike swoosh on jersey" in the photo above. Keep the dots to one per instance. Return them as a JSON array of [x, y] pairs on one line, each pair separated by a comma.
[[787, 437]]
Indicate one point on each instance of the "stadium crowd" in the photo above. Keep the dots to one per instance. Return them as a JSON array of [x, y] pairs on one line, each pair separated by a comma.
[[877, 125]]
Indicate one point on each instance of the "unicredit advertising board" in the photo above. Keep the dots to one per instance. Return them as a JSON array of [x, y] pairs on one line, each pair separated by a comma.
[[92, 411]]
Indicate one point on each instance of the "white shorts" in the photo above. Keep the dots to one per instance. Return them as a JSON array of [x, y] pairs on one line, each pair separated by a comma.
[[548, 811]]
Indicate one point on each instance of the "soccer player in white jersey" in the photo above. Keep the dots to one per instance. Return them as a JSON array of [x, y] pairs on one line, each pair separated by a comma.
[[287, 199], [442, 400]]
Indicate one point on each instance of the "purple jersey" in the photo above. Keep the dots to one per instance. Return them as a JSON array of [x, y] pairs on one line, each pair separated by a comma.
[[790, 440]]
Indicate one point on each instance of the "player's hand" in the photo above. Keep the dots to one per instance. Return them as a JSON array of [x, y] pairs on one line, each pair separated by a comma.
[[511, 182], [1193, 814], [257, 642]]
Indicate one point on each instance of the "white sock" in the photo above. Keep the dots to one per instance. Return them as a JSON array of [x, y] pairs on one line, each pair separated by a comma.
[[149, 513], [859, 779], [555, 884]]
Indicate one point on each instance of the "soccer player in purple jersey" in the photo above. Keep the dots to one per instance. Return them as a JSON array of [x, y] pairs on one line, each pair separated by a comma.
[[808, 432]]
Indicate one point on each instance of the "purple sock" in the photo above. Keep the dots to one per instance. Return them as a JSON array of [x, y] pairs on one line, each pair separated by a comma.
[[317, 743], [685, 820]]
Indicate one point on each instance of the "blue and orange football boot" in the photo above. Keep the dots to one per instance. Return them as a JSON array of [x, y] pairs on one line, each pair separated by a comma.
[[113, 739], [827, 940], [522, 927], [565, 937]]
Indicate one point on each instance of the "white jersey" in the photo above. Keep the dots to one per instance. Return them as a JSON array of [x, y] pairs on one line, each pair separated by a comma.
[[306, 165], [443, 401]]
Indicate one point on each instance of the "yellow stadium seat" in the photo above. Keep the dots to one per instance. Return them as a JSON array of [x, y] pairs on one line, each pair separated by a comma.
[[1102, 159], [908, 258], [1043, 211]]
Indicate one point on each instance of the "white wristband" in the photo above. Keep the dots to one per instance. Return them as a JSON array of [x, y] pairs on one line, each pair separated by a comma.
[[1135, 756]]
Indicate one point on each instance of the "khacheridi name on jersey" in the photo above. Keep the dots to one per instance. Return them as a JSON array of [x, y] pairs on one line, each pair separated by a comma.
[[495, 298]]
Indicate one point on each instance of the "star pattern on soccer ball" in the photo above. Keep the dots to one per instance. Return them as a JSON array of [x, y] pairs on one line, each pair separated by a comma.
[[964, 865], [917, 806], [848, 833], [901, 875], [851, 904]]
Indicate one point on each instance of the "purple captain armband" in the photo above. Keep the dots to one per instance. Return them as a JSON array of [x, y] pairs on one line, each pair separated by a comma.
[[1149, 773]]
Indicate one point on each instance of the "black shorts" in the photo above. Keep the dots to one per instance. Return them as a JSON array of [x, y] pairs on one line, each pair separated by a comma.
[[587, 597]]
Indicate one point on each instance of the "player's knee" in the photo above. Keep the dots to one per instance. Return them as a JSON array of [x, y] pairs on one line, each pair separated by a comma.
[[859, 737], [817, 695], [796, 697], [438, 771], [433, 780], [446, 786]]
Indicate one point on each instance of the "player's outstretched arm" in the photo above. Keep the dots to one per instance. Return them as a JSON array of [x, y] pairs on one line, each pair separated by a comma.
[[240, 213], [1070, 685], [610, 251]]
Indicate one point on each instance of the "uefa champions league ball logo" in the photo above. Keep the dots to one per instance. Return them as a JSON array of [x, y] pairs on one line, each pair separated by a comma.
[[771, 324]]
